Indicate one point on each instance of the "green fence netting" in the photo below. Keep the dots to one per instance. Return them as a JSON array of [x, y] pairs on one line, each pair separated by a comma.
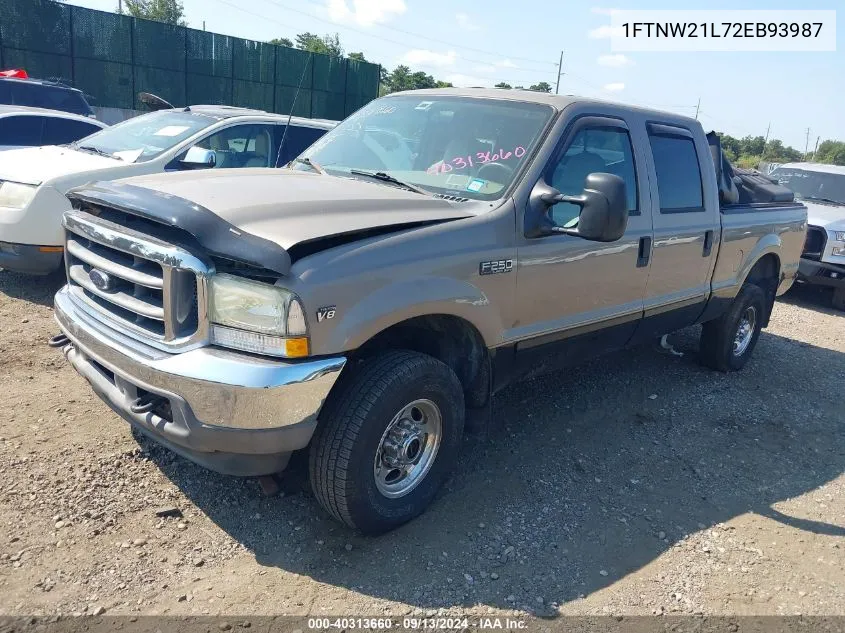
[[113, 57]]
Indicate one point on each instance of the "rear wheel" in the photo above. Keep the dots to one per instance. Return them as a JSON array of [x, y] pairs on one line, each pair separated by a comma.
[[727, 342], [387, 440]]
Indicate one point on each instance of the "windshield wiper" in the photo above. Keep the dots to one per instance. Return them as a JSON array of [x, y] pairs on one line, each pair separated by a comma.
[[307, 161], [820, 199], [96, 150], [380, 175]]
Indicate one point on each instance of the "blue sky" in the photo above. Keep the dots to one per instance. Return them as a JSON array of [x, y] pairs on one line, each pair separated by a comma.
[[478, 42]]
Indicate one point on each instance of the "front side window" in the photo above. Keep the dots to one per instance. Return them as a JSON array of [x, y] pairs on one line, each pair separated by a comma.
[[241, 146], [461, 146], [812, 185], [593, 149], [297, 139], [678, 173], [147, 136], [58, 131]]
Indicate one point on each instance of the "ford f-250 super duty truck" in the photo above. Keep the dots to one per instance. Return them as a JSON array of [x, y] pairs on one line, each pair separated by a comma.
[[433, 247]]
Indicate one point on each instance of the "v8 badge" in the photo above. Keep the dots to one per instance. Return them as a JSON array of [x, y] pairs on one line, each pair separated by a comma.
[[325, 313]]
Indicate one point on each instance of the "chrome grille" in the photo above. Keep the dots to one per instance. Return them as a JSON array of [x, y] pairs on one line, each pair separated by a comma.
[[154, 290]]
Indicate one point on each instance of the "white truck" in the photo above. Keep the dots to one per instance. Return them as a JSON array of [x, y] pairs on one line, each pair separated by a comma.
[[822, 189], [34, 180]]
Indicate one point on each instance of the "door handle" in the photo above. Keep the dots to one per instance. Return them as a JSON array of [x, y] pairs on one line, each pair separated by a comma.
[[708, 243], [644, 252]]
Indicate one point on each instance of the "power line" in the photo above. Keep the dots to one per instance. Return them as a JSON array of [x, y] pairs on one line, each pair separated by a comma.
[[398, 30], [404, 45]]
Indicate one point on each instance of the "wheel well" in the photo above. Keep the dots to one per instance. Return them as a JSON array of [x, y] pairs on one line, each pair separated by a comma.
[[450, 339], [766, 274]]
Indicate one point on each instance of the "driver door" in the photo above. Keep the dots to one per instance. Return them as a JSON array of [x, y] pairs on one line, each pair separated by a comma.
[[576, 297]]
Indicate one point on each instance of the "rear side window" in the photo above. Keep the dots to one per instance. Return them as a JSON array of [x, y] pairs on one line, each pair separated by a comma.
[[58, 131], [51, 97], [21, 130], [678, 174], [297, 140]]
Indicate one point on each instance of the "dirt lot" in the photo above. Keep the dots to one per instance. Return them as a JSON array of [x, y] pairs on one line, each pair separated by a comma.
[[638, 484]]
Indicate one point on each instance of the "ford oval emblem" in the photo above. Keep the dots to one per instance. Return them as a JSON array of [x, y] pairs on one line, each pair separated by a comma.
[[102, 281]]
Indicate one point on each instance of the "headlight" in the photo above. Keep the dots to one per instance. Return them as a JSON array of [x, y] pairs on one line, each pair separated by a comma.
[[256, 317], [839, 236], [15, 195]]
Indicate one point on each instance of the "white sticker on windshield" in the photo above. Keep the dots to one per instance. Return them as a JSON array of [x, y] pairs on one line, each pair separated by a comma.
[[424, 105], [129, 155], [476, 185], [171, 130]]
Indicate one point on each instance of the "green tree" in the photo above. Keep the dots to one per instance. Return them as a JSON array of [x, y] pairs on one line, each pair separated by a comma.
[[443, 84], [832, 152], [752, 145], [281, 41], [541, 87], [502, 84], [327, 45], [170, 11], [357, 56]]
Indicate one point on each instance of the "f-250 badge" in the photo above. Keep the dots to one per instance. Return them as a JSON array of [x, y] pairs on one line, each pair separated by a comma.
[[495, 267], [326, 313]]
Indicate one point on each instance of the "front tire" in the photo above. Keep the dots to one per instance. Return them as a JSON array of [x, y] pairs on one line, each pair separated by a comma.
[[727, 342], [838, 299], [387, 440]]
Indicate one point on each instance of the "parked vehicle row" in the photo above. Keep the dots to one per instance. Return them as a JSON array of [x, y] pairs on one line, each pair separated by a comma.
[[35, 180], [822, 189], [433, 247], [21, 126]]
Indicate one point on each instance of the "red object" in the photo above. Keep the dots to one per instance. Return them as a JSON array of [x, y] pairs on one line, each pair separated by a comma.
[[18, 73]]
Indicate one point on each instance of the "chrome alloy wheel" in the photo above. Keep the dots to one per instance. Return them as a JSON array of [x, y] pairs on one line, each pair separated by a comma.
[[745, 331], [408, 448]]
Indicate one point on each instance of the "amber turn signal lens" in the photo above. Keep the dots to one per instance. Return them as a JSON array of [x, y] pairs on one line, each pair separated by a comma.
[[296, 347]]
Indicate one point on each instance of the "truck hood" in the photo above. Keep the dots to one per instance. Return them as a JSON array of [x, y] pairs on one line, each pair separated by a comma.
[[827, 216], [256, 215], [290, 207], [35, 165]]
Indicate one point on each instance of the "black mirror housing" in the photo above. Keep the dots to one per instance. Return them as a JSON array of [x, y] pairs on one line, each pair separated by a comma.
[[604, 209], [604, 213]]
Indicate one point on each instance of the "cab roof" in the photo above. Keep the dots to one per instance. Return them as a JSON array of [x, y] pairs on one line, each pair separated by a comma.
[[820, 167]]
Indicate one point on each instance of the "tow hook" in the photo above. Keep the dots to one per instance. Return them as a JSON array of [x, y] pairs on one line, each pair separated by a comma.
[[146, 403], [59, 340]]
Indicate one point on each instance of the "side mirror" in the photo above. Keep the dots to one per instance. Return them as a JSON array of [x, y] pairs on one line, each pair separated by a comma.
[[604, 209], [199, 158]]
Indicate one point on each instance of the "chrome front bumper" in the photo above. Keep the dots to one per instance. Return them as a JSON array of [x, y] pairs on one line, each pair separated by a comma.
[[230, 412]]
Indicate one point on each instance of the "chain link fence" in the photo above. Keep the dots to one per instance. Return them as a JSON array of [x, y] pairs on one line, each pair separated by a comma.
[[113, 57]]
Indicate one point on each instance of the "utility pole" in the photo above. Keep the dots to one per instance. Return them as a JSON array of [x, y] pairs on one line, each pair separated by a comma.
[[559, 73], [203, 25], [697, 106], [768, 129], [120, 7], [816, 148], [807, 144]]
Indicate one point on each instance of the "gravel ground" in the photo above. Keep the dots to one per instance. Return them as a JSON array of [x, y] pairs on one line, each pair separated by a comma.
[[640, 483]]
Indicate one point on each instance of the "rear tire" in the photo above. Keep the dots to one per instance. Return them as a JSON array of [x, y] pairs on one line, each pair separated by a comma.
[[727, 342], [387, 440], [838, 299]]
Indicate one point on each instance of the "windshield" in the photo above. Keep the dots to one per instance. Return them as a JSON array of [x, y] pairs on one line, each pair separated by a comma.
[[812, 184], [144, 137], [460, 146]]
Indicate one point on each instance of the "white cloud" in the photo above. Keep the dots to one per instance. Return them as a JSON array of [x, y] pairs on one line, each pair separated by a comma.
[[606, 31], [365, 12], [468, 81], [495, 66], [615, 61], [425, 57], [466, 22], [614, 87]]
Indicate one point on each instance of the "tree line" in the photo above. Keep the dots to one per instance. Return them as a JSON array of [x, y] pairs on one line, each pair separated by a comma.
[[748, 151]]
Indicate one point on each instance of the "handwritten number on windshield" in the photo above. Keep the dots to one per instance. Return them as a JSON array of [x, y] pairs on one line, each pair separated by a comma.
[[463, 162]]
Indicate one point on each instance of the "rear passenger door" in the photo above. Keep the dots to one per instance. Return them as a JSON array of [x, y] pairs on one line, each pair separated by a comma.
[[686, 230]]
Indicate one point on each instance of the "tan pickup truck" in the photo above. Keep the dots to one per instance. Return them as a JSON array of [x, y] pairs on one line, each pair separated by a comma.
[[435, 246]]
